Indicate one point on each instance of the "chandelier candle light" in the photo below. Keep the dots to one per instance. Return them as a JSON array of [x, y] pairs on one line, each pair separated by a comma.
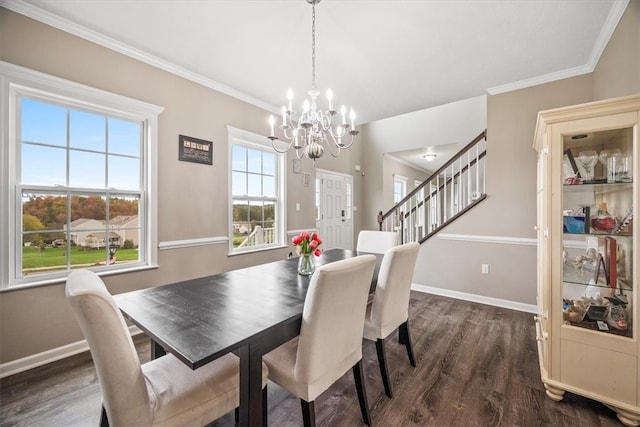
[[309, 136]]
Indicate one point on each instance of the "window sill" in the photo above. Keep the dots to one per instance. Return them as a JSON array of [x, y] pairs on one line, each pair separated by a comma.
[[62, 280], [253, 251]]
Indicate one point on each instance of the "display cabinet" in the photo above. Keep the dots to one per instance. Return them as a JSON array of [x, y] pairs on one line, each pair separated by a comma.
[[587, 200]]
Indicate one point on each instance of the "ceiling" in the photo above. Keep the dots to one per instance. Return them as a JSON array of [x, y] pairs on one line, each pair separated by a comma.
[[383, 58]]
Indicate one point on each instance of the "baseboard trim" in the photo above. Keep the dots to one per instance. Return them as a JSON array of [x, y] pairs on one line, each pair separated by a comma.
[[496, 302], [40, 359]]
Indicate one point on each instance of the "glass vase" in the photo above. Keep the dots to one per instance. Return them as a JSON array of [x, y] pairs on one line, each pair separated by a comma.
[[306, 267]]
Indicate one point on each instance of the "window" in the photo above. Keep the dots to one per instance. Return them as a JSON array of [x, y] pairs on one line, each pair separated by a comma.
[[399, 188], [80, 190], [257, 193], [348, 200]]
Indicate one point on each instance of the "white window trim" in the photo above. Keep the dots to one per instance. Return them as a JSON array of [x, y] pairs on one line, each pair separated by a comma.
[[16, 80], [403, 180], [261, 142]]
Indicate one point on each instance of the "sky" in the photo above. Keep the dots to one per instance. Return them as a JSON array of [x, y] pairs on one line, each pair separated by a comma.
[[72, 148]]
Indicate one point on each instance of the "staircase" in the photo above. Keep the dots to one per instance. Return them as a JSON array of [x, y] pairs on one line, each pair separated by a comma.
[[442, 198]]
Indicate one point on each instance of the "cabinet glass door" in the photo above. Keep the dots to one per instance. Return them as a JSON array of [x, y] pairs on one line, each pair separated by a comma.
[[598, 231]]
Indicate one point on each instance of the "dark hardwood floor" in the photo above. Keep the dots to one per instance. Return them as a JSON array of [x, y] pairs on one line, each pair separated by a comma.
[[477, 365]]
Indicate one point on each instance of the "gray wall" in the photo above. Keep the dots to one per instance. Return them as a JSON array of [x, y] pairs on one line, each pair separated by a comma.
[[618, 71]]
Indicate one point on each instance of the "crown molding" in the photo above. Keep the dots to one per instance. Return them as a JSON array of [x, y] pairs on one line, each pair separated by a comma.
[[31, 11], [406, 163], [538, 80], [610, 24]]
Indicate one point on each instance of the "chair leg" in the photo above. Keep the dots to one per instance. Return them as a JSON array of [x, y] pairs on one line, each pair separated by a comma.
[[358, 375], [405, 338], [265, 410], [308, 413], [382, 362], [104, 421]]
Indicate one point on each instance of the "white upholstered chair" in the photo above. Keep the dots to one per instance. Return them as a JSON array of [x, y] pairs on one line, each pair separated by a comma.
[[389, 309], [376, 241], [330, 340], [162, 392]]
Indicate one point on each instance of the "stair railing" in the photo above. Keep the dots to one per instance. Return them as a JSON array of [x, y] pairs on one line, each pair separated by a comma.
[[447, 194]]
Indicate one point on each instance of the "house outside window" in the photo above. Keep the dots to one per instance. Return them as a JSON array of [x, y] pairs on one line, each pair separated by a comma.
[[257, 193], [80, 189]]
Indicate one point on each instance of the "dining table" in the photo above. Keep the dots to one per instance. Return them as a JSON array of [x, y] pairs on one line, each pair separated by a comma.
[[248, 311]]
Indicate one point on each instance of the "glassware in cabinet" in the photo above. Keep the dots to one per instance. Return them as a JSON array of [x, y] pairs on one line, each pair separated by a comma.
[[597, 269]]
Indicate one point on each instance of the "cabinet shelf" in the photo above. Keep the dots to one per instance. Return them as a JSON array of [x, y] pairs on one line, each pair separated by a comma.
[[584, 278], [594, 327], [601, 187], [599, 234]]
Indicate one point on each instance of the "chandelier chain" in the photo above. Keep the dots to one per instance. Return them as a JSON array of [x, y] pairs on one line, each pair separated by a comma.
[[313, 46]]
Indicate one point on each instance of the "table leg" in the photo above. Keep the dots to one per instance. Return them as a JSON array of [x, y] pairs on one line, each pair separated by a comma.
[[250, 385], [156, 350]]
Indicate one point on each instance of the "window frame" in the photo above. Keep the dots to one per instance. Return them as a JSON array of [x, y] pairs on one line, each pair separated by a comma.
[[17, 82], [258, 142], [402, 180]]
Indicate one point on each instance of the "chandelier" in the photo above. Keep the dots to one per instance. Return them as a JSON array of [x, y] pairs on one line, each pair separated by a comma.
[[309, 136]]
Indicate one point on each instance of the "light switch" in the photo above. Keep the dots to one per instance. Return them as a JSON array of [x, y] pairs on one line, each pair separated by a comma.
[[297, 206]]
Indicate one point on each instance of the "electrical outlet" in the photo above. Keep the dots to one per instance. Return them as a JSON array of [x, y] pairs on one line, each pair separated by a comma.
[[485, 268]]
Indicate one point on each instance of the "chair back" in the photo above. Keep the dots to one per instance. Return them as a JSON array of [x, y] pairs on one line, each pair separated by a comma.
[[376, 241], [391, 300], [124, 390], [330, 341]]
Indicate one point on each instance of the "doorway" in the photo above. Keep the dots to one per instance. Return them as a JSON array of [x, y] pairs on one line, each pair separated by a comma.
[[334, 209]]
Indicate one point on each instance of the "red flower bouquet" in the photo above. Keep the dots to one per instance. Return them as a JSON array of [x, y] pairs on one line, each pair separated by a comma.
[[307, 244]]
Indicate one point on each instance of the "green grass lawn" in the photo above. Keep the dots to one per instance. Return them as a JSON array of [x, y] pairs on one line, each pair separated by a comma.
[[56, 257]]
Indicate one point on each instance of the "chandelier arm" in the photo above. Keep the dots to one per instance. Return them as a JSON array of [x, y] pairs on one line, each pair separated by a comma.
[[336, 136], [346, 146], [331, 146], [286, 135], [325, 122], [273, 145]]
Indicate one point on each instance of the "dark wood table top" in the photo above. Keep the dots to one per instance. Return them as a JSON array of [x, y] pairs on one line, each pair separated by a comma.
[[200, 320]]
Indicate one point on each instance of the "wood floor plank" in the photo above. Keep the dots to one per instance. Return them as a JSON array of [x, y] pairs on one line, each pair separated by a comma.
[[477, 365]]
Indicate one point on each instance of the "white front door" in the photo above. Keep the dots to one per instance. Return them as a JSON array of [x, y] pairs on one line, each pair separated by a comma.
[[334, 199]]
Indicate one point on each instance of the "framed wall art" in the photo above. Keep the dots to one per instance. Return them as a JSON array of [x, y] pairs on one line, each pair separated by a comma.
[[195, 150]]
